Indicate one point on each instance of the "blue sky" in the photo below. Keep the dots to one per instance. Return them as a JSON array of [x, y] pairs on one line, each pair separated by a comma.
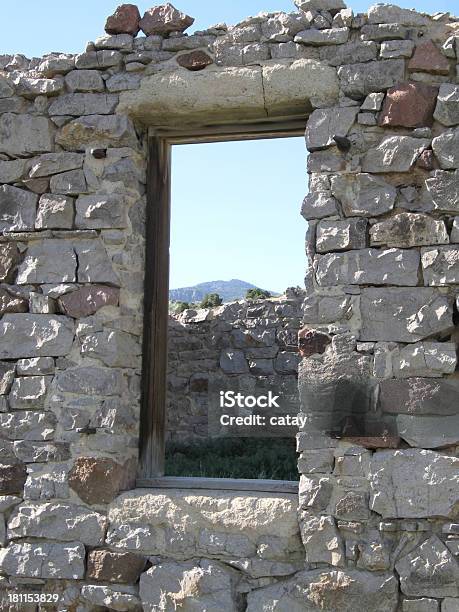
[[235, 205]]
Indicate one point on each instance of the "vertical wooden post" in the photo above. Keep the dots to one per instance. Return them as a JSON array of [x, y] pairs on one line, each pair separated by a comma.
[[156, 311]]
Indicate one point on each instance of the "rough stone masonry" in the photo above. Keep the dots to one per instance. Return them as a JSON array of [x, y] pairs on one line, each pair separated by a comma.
[[376, 525]]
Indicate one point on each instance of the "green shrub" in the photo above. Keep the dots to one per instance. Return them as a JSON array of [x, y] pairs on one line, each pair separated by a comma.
[[211, 300], [257, 294], [271, 458]]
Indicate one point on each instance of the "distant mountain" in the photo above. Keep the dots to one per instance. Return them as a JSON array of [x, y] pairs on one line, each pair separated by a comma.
[[228, 290]]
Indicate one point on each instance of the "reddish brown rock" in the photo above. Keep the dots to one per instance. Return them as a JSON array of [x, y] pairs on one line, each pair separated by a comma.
[[96, 480], [409, 105], [428, 58], [107, 566], [12, 303], [88, 300], [125, 20], [426, 160], [194, 61], [9, 257], [12, 478], [312, 342], [164, 19]]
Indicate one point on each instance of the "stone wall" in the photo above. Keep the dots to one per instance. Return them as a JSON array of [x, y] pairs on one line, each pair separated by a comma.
[[377, 527], [249, 347]]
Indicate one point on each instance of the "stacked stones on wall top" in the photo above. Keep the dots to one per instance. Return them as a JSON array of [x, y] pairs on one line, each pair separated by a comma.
[[377, 524]]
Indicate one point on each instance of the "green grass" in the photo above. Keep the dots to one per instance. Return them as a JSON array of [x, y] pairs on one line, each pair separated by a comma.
[[271, 458]]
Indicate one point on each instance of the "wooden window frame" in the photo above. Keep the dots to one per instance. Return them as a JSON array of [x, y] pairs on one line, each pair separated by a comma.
[[156, 301]]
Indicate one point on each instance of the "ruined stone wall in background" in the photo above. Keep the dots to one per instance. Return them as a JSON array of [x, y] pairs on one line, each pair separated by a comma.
[[246, 347], [378, 522]]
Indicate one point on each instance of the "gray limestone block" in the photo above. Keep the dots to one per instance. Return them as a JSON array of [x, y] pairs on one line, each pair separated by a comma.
[[368, 266], [429, 570], [403, 315], [44, 560], [12, 171], [394, 154], [28, 425], [359, 80], [54, 163], [408, 230], [114, 348], [208, 584], [116, 597], [441, 191], [35, 335], [447, 110], [25, 134], [29, 392], [390, 13], [72, 182], [31, 451], [321, 539], [84, 104], [429, 431], [58, 521], [101, 211], [440, 265], [318, 205], [431, 359], [414, 483], [392, 49], [55, 212], [324, 124], [94, 264], [363, 194], [90, 381], [328, 36], [446, 149], [341, 235], [233, 362], [84, 81], [17, 209], [48, 261]]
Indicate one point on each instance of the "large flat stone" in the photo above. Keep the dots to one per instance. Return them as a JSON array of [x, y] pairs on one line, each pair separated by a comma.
[[17, 209], [431, 359], [368, 267], [363, 194], [391, 13], [440, 265], [48, 261], [97, 131], [414, 483], [89, 381], [87, 300], [57, 521], [35, 335], [28, 425], [139, 521], [358, 80], [394, 154], [407, 230], [393, 314], [44, 560], [429, 431], [345, 590], [430, 569], [230, 93], [114, 348], [55, 163], [341, 235], [25, 134], [84, 104]]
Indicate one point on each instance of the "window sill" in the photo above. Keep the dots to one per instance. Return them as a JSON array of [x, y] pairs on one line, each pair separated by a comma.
[[220, 484]]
